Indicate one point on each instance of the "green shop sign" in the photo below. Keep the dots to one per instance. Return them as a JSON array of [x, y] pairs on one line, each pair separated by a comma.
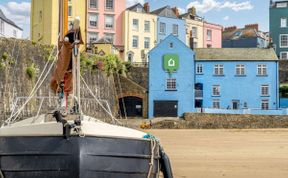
[[171, 62]]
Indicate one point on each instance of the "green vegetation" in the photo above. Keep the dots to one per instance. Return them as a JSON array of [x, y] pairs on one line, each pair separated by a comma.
[[6, 60], [110, 64], [283, 90], [31, 71]]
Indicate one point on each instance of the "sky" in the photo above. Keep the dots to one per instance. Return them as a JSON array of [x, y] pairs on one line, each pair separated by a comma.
[[223, 12]]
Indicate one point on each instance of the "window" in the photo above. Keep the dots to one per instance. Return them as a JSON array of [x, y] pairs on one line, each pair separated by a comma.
[[216, 104], [284, 55], [147, 26], [171, 45], [216, 90], [109, 37], [109, 21], [175, 30], [281, 4], [14, 33], [264, 90], [146, 43], [162, 28], [1, 26], [194, 32], [209, 46], [171, 84], [218, 69], [69, 11], [199, 69], [209, 35], [40, 16], [265, 104], [135, 24], [195, 45], [138, 9], [283, 22], [93, 20], [135, 42], [93, 4], [284, 41], [261, 69], [240, 69], [70, 25], [109, 5], [92, 37], [130, 57]]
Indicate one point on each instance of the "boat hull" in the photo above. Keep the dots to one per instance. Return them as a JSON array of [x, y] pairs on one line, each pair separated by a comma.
[[77, 157]]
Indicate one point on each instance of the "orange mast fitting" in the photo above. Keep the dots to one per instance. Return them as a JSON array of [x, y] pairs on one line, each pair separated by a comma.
[[65, 16]]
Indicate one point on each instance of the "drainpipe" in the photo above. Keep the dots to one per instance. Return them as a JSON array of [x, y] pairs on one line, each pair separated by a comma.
[[277, 87]]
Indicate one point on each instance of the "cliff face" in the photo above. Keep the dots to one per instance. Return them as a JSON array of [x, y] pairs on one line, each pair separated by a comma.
[[21, 63]]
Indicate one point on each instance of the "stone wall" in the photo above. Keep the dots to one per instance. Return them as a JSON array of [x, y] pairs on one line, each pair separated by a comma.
[[139, 75], [15, 82], [283, 71]]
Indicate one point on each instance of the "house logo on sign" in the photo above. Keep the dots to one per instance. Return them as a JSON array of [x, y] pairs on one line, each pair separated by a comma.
[[171, 62]]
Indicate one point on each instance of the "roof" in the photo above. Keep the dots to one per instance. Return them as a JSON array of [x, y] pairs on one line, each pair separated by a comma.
[[188, 15], [134, 7], [242, 33], [3, 17], [165, 11], [235, 54]]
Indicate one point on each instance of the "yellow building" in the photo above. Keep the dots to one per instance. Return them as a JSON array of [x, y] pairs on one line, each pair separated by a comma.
[[194, 28], [139, 32], [44, 27]]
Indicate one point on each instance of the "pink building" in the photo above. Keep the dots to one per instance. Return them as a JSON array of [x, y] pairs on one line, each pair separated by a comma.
[[105, 21], [212, 35]]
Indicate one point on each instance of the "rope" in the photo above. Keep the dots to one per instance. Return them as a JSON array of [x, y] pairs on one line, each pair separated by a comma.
[[122, 98], [1, 174], [151, 164], [97, 100]]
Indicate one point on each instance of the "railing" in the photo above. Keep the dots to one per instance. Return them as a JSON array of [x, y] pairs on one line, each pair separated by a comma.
[[140, 64], [198, 94], [243, 111]]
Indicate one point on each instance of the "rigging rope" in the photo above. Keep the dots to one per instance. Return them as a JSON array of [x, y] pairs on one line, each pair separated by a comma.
[[99, 102], [151, 164], [122, 98]]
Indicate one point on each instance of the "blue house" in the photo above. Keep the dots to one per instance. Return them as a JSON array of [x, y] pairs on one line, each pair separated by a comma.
[[237, 79], [171, 79], [248, 37], [226, 81], [169, 23]]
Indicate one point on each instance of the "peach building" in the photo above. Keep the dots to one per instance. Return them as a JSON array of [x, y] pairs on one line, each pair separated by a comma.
[[212, 35]]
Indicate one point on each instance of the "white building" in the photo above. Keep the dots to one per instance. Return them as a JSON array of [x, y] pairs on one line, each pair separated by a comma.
[[8, 28]]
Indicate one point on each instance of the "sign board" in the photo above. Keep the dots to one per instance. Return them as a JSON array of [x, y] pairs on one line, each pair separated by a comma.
[[171, 62]]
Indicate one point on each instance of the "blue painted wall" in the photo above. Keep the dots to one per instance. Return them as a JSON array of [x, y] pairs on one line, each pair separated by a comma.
[[169, 28], [243, 88], [245, 43], [184, 76]]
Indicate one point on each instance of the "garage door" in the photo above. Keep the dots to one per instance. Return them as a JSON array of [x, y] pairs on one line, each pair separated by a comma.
[[165, 108]]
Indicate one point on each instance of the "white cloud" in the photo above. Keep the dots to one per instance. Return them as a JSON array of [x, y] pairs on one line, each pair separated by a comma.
[[208, 5], [226, 18], [181, 10], [133, 2], [19, 13]]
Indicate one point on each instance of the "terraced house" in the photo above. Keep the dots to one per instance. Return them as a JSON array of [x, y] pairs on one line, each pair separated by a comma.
[[279, 27]]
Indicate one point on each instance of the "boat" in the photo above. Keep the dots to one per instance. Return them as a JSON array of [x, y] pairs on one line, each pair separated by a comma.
[[65, 143]]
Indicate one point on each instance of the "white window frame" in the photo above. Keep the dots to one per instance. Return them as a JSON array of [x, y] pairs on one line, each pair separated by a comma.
[[280, 41], [15, 33], [162, 29], [97, 20], [216, 90], [265, 104], [90, 39], [135, 24], [106, 24], [209, 36], [147, 26], [109, 9], [96, 4], [194, 32], [262, 69], [70, 13], [219, 69], [109, 37], [283, 22], [135, 41], [216, 104], [175, 29], [147, 43], [240, 69], [199, 69], [264, 90], [281, 55], [171, 84]]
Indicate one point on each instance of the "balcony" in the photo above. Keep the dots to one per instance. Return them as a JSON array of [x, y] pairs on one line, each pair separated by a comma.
[[140, 64]]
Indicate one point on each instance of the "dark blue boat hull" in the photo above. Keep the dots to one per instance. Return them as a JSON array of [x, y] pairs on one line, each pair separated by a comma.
[[76, 157]]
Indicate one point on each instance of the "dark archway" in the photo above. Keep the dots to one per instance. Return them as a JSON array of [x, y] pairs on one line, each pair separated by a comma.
[[132, 105]]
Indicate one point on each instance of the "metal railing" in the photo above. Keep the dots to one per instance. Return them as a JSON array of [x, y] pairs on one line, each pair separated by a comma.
[[140, 64]]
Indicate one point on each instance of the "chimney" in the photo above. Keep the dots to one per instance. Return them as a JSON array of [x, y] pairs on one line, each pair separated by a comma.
[[147, 7], [176, 11], [253, 26], [192, 11], [230, 28]]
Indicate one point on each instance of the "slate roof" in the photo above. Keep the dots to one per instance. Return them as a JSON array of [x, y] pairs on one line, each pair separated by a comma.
[[3, 17], [235, 54], [244, 33], [165, 11]]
